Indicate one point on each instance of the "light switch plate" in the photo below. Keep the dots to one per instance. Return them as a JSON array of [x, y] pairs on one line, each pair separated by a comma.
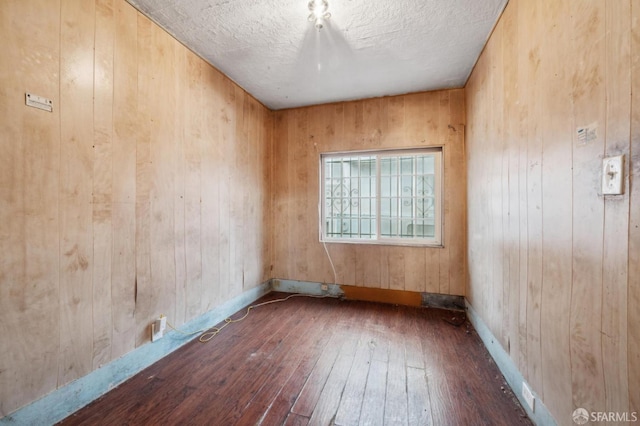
[[612, 175]]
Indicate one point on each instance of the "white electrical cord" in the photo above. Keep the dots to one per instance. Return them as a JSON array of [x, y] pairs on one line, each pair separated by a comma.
[[211, 332], [324, 244]]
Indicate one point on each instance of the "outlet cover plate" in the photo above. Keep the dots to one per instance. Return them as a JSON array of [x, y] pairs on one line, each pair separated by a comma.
[[528, 396], [612, 175], [157, 331]]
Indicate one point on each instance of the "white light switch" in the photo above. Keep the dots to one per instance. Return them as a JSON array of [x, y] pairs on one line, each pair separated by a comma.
[[612, 175]]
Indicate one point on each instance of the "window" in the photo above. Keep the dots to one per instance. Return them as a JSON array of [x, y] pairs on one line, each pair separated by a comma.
[[382, 197]]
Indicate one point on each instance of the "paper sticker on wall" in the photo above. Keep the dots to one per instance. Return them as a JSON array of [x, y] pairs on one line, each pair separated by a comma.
[[587, 134], [39, 102]]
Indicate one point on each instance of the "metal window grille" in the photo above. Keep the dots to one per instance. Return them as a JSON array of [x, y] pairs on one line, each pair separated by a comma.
[[388, 197]]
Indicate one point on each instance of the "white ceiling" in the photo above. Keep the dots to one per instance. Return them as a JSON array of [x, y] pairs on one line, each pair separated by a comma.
[[367, 49]]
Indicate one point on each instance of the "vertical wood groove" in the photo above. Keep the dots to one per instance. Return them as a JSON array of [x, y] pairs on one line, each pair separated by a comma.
[[633, 284]]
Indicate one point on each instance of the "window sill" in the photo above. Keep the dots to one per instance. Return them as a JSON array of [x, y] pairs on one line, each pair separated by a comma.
[[384, 243]]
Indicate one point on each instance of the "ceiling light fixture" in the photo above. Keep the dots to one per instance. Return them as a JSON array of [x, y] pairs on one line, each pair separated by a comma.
[[319, 12]]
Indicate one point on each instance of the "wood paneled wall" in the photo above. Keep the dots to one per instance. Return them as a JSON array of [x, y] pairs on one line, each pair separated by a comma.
[[146, 191], [417, 120], [554, 265]]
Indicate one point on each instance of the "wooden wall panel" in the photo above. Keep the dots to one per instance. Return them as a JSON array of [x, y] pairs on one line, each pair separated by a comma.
[[556, 252], [194, 136], [144, 294], [214, 252], [77, 34], [145, 186], [123, 176], [224, 180], [522, 113], [457, 206], [163, 125], [557, 217], [534, 123], [616, 209], [589, 99], [29, 187], [511, 165], [416, 120], [301, 155], [236, 199], [102, 182], [633, 352], [179, 172]]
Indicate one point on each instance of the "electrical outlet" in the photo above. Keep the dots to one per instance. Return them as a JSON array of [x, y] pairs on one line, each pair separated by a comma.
[[156, 334], [163, 323], [528, 396], [157, 328], [324, 287]]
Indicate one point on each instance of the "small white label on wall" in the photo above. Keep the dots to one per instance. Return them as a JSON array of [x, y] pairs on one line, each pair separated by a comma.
[[38, 102], [587, 134]]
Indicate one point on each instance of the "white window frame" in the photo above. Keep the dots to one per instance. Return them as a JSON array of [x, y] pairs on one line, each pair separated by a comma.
[[436, 241]]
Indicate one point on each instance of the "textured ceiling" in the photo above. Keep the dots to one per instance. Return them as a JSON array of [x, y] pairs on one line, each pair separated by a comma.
[[367, 49]]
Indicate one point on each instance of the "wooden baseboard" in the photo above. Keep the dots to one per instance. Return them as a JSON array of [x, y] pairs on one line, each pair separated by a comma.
[[382, 295]]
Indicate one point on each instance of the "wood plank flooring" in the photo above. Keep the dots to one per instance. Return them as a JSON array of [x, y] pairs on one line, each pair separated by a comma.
[[309, 361]]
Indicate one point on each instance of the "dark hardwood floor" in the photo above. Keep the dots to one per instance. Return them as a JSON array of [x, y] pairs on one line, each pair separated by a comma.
[[321, 362]]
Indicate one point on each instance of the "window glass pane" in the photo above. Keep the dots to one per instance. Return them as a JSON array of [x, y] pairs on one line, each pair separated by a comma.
[[426, 230], [407, 186], [406, 228], [408, 195], [392, 187], [333, 227], [389, 166], [429, 164], [406, 206], [365, 227], [406, 165], [385, 207], [385, 227], [369, 167], [385, 186], [426, 194], [421, 207], [366, 187], [365, 207]]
